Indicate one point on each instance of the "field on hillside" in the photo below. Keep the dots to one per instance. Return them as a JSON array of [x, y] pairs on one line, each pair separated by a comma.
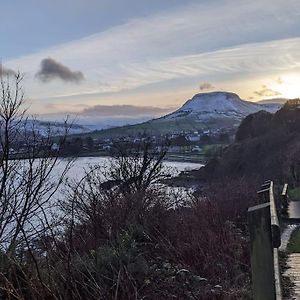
[[161, 127]]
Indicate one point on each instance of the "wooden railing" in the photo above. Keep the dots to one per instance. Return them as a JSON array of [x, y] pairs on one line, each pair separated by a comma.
[[265, 238], [284, 199]]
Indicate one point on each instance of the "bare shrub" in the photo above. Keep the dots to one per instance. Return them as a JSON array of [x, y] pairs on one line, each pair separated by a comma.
[[123, 234], [125, 239], [26, 190]]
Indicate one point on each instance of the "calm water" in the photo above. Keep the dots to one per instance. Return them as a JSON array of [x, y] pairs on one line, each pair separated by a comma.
[[81, 164], [76, 173]]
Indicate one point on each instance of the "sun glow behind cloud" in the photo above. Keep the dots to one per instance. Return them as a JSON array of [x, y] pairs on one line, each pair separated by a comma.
[[288, 85]]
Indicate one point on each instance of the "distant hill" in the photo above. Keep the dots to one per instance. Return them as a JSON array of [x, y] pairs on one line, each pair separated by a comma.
[[57, 128], [203, 111], [278, 101]]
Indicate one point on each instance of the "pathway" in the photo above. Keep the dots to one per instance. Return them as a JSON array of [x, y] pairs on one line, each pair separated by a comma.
[[293, 260], [293, 272], [294, 210]]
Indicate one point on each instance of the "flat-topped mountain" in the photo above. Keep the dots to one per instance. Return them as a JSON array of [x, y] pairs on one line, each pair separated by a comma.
[[218, 105], [203, 111]]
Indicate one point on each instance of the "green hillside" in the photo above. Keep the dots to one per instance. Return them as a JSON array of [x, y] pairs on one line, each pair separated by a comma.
[[161, 127]]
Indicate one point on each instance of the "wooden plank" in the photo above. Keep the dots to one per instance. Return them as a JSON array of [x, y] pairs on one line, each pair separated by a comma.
[[262, 255], [277, 275], [265, 185], [276, 233], [284, 200], [284, 190]]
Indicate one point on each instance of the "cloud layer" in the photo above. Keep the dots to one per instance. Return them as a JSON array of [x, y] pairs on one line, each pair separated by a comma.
[[267, 92], [211, 41], [51, 69], [205, 86], [124, 111]]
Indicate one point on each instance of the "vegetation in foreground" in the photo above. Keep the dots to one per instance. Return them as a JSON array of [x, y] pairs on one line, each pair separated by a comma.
[[126, 237], [294, 194], [287, 284], [118, 233]]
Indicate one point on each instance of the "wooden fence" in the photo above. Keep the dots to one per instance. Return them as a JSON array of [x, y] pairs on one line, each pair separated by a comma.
[[265, 238]]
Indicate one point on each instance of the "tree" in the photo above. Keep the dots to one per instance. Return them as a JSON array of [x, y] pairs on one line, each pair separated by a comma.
[[122, 193], [224, 137], [26, 186], [89, 143], [205, 138]]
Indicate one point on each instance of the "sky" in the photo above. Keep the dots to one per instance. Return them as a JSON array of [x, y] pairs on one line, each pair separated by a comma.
[[125, 60]]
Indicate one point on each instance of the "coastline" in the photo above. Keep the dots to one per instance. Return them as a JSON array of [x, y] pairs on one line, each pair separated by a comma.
[[168, 157]]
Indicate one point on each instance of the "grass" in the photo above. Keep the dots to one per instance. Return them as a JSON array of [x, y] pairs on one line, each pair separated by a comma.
[[294, 243], [294, 194], [158, 127]]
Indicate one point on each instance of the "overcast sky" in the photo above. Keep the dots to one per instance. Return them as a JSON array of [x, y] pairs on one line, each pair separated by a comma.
[[109, 56]]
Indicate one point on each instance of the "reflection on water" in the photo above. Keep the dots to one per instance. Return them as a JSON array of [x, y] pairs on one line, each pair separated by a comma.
[[81, 164], [77, 171]]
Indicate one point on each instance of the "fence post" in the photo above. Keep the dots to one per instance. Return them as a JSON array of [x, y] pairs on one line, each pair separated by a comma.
[[262, 260], [284, 199]]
